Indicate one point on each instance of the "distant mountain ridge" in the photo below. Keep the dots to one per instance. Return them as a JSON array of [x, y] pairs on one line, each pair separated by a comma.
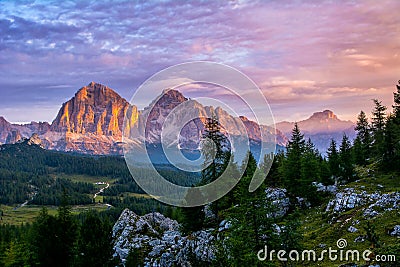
[[320, 122], [321, 127], [92, 122]]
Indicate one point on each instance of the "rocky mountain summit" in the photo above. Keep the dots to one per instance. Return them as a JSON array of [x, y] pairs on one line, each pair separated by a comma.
[[94, 109], [319, 122], [321, 127]]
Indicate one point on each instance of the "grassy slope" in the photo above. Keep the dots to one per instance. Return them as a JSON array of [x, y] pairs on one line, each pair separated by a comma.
[[28, 213], [317, 229]]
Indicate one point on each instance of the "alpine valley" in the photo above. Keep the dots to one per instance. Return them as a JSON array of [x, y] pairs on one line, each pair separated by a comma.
[[85, 209]]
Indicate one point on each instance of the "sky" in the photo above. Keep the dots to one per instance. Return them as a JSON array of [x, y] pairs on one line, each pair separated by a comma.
[[305, 56]]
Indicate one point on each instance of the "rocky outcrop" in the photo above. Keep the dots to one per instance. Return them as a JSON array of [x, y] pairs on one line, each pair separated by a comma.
[[374, 202], [160, 239], [325, 188], [395, 231], [279, 201], [35, 140]]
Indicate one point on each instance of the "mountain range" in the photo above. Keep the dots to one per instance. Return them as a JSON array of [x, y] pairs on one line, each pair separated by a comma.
[[92, 122], [321, 127]]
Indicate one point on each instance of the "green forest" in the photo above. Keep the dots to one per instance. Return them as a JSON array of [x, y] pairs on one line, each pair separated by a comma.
[[46, 178]]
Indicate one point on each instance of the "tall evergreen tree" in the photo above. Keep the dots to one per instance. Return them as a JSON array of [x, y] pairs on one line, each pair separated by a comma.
[[333, 160], [213, 150], [43, 240], [214, 153], [290, 237], [15, 255], [325, 173], [66, 233], [396, 98], [251, 229], [391, 144], [231, 169], [95, 246], [272, 169], [346, 160], [310, 172], [358, 152], [291, 166], [215, 156], [378, 128], [392, 134], [363, 139]]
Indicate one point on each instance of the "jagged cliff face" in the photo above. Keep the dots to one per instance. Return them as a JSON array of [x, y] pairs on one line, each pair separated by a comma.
[[192, 130], [95, 109], [5, 130]]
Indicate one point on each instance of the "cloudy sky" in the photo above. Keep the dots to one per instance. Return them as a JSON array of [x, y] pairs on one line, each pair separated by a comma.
[[305, 56]]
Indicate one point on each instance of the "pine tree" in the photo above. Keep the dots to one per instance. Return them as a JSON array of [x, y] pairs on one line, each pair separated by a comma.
[[378, 128], [310, 172], [358, 152], [391, 145], [231, 169], [333, 160], [346, 160], [193, 217], [43, 240], [290, 237], [363, 139], [215, 158], [214, 144], [251, 229], [396, 98], [15, 255], [392, 135], [66, 232], [95, 241], [291, 166], [371, 235], [273, 178], [325, 173]]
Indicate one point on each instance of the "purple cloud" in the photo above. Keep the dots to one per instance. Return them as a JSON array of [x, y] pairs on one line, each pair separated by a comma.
[[305, 55]]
